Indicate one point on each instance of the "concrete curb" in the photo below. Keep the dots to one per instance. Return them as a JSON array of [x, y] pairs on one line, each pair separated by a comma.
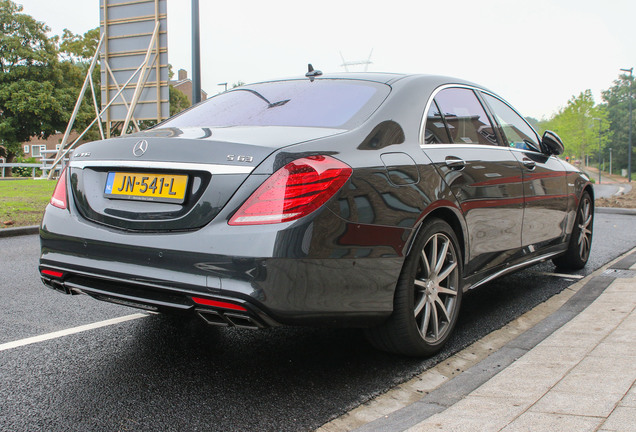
[[19, 231], [615, 210]]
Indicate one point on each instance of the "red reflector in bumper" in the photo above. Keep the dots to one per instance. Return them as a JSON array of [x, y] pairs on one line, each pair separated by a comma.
[[52, 273], [218, 304]]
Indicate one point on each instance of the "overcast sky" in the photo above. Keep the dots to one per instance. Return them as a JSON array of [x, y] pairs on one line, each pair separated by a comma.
[[536, 54]]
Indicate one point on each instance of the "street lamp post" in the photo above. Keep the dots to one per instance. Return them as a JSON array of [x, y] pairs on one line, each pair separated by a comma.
[[600, 122], [610, 171], [629, 143], [196, 54]]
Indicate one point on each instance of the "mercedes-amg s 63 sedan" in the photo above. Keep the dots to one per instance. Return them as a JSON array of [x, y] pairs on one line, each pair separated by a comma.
[[368, 200]]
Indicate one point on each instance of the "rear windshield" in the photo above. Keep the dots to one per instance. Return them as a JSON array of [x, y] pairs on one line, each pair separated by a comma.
[[322, 103]]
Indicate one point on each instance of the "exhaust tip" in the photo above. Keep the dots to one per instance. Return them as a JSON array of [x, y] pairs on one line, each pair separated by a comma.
[[221, 319], [213, 318]]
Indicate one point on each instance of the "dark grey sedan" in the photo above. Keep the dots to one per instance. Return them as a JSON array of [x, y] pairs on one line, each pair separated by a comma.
[[368, 200]]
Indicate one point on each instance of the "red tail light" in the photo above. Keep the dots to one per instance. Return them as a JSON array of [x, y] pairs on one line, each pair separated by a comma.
[[294, 191], [59, 198]]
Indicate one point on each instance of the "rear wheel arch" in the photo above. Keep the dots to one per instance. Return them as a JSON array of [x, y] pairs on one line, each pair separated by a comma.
[[428, 294], [451, 217]]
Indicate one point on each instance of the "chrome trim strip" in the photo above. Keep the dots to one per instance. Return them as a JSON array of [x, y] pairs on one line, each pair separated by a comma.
[[455, 146], [211, 168], [514, 268]]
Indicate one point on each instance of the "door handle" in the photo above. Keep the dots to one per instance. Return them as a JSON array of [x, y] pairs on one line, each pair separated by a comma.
[[455, 163], [529, 163]]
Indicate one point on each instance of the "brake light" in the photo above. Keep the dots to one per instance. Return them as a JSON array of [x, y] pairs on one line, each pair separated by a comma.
[[294, 191], [59, 198]]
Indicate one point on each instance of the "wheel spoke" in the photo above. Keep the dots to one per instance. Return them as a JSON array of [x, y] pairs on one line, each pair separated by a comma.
[[447, 291], [433, 255], [420, 283], [435, 321], [442, 309], [427, 266], [584, 247], [447, 271], [426, 319], [441, 257]]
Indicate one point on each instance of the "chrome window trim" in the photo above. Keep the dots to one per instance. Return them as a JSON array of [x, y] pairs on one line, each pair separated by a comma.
[[470, 146], [430, 102], [466, 86], [183, 166], [514, 110]]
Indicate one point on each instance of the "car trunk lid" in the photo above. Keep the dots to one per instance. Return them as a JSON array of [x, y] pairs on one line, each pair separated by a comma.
[[172, 179]]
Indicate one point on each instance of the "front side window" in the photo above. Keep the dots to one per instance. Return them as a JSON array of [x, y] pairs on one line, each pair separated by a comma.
[[322, 103], [517, 132], [465, 118]]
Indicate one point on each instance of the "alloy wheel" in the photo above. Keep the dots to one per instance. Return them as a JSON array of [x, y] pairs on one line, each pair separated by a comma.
[[436, 284], [585, 228]]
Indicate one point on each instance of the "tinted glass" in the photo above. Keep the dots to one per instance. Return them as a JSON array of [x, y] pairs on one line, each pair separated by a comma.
[[517, 132], [322, 103], [465, 117], [435, 131]]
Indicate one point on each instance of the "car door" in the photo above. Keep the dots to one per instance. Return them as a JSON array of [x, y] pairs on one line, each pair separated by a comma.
[[484, 176], [544, 179]]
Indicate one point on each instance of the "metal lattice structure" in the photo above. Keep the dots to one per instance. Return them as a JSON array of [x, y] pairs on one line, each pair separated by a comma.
[[133, 50]]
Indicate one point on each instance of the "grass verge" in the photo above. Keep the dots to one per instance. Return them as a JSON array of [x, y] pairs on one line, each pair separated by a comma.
[[22, 202]]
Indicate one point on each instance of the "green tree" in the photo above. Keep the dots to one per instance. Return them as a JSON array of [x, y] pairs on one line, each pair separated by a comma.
[[617, 100], [178, 101], [76, 52], [578, 126], [35, 92]]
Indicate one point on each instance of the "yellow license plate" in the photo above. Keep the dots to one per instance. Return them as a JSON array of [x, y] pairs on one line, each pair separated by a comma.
[[146, 187]]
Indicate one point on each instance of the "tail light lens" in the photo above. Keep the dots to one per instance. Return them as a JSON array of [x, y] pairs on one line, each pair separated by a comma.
[[59, 198], [294, 191]]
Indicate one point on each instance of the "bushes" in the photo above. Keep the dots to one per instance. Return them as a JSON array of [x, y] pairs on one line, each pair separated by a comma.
[[25, 171]]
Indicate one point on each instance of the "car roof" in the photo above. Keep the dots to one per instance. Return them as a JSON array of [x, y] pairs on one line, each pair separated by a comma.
[[386, 78]]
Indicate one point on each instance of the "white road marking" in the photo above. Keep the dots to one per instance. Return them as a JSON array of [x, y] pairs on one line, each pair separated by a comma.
[[561, 275], [70, 331]]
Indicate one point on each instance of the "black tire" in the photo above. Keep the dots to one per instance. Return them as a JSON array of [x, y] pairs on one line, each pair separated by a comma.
[[427, 296], [578, 251]]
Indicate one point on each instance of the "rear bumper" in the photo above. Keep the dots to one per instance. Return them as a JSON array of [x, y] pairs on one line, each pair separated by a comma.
[[298, 275], [228, 311]]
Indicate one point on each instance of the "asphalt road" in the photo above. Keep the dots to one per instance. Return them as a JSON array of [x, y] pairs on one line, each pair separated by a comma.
[[157, 373]]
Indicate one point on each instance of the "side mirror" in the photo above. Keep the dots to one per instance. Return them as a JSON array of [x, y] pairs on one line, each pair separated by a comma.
[[552, 143]]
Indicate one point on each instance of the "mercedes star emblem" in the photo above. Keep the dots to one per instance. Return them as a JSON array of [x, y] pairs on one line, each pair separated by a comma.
[[140, 148]]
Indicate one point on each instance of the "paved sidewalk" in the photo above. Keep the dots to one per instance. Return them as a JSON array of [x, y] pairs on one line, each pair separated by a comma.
[[570, 367], [581, 378]]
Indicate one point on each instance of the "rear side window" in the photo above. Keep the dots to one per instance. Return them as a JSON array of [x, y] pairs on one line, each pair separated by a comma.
[[322, 103], [464, 117], [517, 132], [435, 132]]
